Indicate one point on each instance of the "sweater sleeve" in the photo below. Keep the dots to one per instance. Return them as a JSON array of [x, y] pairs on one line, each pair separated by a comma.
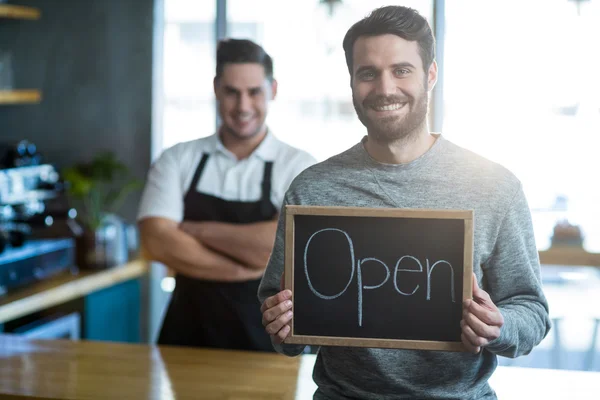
[[512, 278], [269, 285]]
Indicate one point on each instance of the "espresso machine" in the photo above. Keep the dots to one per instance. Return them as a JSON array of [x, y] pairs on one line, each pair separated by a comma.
[[36, 222]]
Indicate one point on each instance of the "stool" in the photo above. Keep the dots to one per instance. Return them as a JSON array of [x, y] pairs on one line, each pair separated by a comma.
[[589, 359], [556, 359]]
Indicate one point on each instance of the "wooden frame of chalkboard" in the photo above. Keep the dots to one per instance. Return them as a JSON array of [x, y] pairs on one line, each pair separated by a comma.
[[463, 219]]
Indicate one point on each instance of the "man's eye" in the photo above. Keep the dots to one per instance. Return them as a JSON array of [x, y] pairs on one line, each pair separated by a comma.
[[365, 76], [255, 92], [402, 71]]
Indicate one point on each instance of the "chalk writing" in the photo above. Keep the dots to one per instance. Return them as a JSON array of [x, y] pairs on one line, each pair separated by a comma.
[[429, 271], [361, 287], [357, 266], [406, 270], [306, 264]]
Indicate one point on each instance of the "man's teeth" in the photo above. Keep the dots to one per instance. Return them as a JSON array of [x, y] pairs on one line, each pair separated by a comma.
[[244, 118], [389, 107]]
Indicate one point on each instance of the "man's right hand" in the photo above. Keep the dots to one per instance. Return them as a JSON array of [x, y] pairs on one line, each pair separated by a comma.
[[277, 313]]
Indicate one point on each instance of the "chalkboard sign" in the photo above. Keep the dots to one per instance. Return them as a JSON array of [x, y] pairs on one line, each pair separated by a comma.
[[388, 278]]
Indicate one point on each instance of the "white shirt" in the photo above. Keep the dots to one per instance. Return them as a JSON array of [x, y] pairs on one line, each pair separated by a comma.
[[224, 176]]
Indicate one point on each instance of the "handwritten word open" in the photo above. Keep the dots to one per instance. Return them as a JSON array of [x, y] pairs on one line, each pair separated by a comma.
[[357, 266]]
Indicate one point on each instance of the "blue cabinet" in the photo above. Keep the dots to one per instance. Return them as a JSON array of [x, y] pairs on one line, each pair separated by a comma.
[[109, 314], [113, 314]]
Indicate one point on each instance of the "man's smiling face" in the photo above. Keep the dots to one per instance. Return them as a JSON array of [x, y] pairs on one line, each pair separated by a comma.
[[389, 86]]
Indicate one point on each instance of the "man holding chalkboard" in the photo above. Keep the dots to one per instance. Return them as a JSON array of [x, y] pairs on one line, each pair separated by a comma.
[[400, 164]]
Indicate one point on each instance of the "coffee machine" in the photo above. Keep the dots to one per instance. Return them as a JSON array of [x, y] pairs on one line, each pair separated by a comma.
[[35, 219]]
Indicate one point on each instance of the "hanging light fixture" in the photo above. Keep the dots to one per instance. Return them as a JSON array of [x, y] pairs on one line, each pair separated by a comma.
[[332, 18], [330, 22], [331, 5], [578, 5]]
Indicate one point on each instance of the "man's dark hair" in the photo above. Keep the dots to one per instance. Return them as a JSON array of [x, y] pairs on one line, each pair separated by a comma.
[[240, 51], [396, 20]]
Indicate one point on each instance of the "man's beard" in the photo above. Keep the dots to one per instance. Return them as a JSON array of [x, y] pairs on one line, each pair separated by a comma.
[[393, 128]]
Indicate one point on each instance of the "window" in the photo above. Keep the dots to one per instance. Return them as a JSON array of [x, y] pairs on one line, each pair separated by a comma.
[[521, 88], [189, 68]]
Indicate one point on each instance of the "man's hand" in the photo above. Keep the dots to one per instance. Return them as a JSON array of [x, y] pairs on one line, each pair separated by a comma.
[[481, 321], [277, 313]]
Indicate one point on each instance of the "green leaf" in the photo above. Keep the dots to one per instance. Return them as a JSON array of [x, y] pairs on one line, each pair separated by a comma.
[[100, 186], [79, 185]]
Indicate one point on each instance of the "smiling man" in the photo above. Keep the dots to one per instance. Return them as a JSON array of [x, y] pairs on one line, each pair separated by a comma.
[[401, 164], [210, 206]]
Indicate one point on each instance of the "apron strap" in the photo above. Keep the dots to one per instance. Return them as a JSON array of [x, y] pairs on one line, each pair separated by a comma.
[[265, 202], [198, 172]]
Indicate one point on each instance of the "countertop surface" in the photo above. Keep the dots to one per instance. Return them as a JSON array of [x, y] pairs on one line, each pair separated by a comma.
[[101, 370], [65, 287], [60, 369]]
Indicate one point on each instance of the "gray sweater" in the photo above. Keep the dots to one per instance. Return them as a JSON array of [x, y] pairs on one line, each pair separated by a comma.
[[505, 262]]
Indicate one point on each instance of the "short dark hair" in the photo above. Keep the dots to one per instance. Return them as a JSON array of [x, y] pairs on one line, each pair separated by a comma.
[[396, 20], [239, 51]]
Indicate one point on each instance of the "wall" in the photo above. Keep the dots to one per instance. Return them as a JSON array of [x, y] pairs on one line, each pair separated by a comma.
[[93, 62]]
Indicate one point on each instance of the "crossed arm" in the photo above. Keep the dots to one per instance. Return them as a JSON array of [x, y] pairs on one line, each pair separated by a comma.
[[164, 241], [209, 250], [248, 244]]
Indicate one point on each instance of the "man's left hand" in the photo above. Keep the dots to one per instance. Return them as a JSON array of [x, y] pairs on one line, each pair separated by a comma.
[[481, 321]]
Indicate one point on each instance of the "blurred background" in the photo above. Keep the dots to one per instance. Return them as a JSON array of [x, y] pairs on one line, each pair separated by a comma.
[[110, 85]]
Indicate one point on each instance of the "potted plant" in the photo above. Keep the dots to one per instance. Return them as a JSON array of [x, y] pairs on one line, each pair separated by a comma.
[[97, 189]]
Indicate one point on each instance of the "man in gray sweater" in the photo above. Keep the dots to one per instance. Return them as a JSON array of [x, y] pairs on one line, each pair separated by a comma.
[[390, 57]]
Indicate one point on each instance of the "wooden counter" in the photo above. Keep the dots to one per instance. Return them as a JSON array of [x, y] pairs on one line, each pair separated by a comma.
[[569, 256], [65, 287], [102, 370]]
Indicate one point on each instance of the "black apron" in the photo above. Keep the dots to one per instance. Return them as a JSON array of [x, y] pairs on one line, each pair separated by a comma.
[[218, 314]]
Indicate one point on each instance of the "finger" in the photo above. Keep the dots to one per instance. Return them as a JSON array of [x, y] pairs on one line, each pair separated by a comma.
[[282, 334], [470, 348], [272, 301], [487, 313], [272, 314], [471, 336], [481, 296], [477, 291], [480, 328], [279, 323]]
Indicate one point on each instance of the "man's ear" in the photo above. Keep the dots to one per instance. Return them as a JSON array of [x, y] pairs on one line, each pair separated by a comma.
[[432, 75], [273, 88], [215, 84]]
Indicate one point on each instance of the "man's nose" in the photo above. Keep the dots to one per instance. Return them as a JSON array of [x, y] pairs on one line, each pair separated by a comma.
[[244, 103], [386, 85]]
